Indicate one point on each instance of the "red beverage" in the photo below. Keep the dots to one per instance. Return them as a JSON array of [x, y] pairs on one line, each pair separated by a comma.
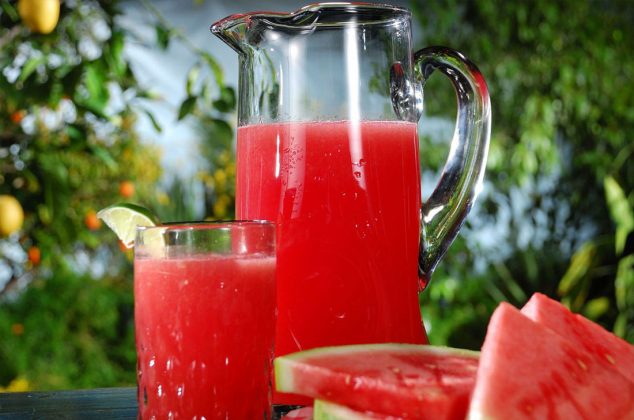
[[204, 332], [346, 198]]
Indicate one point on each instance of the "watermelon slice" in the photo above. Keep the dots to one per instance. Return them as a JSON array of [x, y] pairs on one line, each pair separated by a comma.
[[528, 371], [614, 353], [406, 380], [325, 410]]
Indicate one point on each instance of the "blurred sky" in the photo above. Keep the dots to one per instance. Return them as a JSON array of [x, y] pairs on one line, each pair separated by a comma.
[[165, 71]]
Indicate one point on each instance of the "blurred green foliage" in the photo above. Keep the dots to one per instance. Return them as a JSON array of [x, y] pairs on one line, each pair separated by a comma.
[[68, 147], [560, 188], [75, 332]]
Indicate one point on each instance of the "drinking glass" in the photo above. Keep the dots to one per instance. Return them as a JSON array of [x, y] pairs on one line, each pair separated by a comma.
[[205, 319]]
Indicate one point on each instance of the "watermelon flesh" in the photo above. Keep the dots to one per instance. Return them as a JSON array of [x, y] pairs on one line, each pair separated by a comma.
[[304, 413], [527, 371], [611, 351], [399, 380]]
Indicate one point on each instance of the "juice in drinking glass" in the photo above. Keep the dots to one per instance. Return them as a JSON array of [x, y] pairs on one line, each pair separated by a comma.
[[205, 320]]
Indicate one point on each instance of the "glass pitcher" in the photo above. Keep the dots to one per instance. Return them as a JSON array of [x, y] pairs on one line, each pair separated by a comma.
[[329, 99]]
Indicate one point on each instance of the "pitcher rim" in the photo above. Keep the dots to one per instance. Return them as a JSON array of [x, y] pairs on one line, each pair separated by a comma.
[[239, 18]]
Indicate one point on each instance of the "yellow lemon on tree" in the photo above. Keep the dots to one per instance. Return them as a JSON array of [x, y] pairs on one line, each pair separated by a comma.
[[39, 15], [11, 215]]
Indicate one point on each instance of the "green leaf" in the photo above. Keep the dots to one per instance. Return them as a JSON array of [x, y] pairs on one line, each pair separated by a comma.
[[186, 107], [227, 100], [162, 36], [56, 94], [215, 68], [118, 64], [32, 183], [580, 264], [597, 307], [155, 123], [90, 106], [148, 94], [10, 11], [624, 283], [76, 132], [105, 156], [192, 78], [95, 80], [205, 93], [53, 168], [29, 67], [219, 131], [620, 210], [511, 285], [70, 79], [63, 70], [44, 214], [89, 239], [620, 326]]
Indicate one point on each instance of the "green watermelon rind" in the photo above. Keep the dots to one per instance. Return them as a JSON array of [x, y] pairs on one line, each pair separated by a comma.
[[324, 410], [284, 364]]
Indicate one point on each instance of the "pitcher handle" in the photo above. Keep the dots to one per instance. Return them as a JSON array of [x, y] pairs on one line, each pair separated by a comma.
[[461, 179]]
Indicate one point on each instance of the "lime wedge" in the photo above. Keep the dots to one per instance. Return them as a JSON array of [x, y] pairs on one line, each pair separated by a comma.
[[123, 219]]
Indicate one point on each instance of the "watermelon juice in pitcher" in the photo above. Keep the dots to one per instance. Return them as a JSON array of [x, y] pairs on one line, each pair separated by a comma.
[[347, 238], [328, 104]]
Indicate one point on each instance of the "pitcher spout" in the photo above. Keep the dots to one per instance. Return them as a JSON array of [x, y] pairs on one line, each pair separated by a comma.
[[234, 30], [244, 30]]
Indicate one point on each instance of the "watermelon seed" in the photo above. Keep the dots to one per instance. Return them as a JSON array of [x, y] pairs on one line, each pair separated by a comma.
[[582, 365], [348, 379], [610, 359]]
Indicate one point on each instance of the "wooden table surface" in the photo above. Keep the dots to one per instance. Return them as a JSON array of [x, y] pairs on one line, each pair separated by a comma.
[[101, 403]]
